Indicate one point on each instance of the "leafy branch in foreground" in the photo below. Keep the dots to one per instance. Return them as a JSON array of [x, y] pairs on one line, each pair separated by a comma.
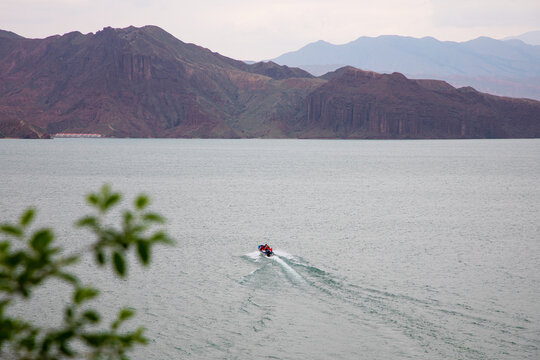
[[28, 259]]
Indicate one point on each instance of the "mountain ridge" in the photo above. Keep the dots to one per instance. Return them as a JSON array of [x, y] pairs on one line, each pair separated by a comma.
[[530, 37], [506, 68], [421, 108], [143, 82]]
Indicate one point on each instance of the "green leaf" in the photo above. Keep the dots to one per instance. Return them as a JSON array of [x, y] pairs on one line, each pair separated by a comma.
[[29, 342], [9, 229], [94, 340], [111, 201], [128, 217], [14, 259], [141, 202], [64, 335], [138, 336], [158, 236], [27, 217], [69, 260], [143, 249], [23, 290], [153, 217], [125, 314], [100, 257], [93, 199], [105, 190], [92, 316], [6, 287], [69, 313], [46, 344], [66, 350], [3, 304], [84, 293], [139, 228], [41, 240], [70, 278], [4, 246], [161, 237], [119, 263], [107, 235], [89, 221]]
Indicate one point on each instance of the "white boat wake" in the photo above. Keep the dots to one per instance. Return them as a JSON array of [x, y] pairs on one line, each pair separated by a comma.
[[288, 270], [280, 258]]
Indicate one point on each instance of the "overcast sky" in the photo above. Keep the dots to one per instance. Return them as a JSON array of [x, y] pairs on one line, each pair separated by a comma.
[[258, 30]]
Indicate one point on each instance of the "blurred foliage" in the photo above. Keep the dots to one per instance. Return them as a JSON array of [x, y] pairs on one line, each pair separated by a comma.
[[29, 258]]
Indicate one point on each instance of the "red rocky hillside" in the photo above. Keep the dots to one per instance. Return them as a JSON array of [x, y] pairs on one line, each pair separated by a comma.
[[143, 82]]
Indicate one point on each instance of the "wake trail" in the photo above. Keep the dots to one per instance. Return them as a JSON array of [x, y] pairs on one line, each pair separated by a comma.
[[254, 255], [289, 271]]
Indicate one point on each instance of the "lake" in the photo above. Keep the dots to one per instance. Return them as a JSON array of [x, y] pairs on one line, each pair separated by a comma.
[[384, 249]]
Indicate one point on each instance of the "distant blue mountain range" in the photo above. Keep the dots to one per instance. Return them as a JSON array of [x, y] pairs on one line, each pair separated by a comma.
[[531, 37], [503, 67]]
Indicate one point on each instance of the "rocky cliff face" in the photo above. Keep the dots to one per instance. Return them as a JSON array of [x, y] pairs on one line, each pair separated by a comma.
[[134, 82], [21, 130], [143, 82], [360, 104]]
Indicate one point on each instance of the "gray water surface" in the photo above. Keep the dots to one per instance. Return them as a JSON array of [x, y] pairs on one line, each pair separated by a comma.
[[385, 249]]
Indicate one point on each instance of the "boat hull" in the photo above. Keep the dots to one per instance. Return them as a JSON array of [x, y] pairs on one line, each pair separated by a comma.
[[266, 253]]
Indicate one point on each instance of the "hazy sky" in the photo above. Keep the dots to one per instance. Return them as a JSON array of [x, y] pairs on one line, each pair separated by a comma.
[[257, 30]]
